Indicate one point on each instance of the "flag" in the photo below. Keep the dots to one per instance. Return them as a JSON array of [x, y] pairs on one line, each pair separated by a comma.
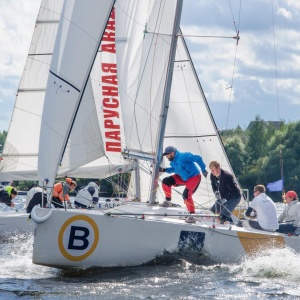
[[276, 186]]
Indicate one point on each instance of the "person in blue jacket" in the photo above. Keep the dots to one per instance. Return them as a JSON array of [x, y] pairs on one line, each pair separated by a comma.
[[183, 164]]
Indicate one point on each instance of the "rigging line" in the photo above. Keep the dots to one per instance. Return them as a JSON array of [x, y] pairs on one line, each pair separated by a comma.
[[134, 119], [231, 86], [277, 98], [158, 121], [232, 16], [233, 71], [275, 60], [142, 25], [209, 36], [189, 61], [191, 35]]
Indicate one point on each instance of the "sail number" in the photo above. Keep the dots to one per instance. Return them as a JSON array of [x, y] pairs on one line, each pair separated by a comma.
[[78, 238]]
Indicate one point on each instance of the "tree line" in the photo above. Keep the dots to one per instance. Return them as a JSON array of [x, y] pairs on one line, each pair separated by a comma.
[[255, 154]]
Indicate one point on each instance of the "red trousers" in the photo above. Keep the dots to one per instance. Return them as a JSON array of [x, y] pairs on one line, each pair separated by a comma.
[[191, 186]]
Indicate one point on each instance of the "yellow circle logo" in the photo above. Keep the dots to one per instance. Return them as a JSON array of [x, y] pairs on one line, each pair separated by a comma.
[[76, 235]]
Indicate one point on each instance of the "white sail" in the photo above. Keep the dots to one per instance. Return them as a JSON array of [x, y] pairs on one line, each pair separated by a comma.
[[190, 126], [20, 153], [81, 28], [144, 33], [21, 164], [106, 98]]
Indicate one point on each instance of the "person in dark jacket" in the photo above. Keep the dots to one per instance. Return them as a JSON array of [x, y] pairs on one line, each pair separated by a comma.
[[7, 194], [183, 164], [226, 191]]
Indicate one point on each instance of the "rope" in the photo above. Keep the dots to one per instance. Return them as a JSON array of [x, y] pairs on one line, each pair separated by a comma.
[[275, 60]]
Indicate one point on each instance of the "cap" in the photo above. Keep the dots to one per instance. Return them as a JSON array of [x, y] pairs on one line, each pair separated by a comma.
[[291, 194], [169, 149]]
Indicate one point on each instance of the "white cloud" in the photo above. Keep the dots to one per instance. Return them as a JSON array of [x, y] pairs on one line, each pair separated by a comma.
[[17, 21], [294, 4], [285, 13]]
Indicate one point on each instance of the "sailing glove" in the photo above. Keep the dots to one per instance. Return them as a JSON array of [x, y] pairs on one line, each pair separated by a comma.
[[162, 169], [205, 173]]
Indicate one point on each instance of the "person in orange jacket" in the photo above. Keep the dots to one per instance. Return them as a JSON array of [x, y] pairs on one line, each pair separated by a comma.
[[58, 196]]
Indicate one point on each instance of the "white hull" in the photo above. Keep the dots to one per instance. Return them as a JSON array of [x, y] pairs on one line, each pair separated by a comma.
[[105, 241], [91, 238], [14, 224]]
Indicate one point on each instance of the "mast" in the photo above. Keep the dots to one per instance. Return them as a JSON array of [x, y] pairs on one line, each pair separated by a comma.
[[165, 103]]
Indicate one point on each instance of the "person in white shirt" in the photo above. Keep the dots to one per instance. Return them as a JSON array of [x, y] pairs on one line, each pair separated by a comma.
[[35, 196], [264, 209], [290, 217], [87, 196], [31, 191]]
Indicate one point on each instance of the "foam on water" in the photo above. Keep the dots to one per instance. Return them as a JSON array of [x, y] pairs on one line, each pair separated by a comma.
[[280, 263], [16, 261]]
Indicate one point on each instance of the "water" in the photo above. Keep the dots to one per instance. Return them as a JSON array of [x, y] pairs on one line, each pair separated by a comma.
[[272, 275]]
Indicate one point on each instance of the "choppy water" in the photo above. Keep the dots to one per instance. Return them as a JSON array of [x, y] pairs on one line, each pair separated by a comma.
[[274, 275]]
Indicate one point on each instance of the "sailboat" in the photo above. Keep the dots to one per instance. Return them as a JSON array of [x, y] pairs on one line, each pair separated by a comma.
[[153, 62]]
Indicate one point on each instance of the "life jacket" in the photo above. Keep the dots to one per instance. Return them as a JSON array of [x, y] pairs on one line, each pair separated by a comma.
[[58, 191], [9, 189]]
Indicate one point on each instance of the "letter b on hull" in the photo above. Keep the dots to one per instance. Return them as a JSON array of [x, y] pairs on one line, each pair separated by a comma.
[[78, 238]]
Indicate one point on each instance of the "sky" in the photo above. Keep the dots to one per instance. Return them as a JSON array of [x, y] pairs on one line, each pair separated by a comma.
[[259, 76]]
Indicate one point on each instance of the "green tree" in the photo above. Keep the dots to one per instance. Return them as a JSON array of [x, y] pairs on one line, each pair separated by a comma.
[[235, 149], [3, 136], [256, 144]]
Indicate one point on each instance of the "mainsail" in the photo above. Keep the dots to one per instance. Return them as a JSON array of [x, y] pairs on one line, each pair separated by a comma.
[[190, 126]]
